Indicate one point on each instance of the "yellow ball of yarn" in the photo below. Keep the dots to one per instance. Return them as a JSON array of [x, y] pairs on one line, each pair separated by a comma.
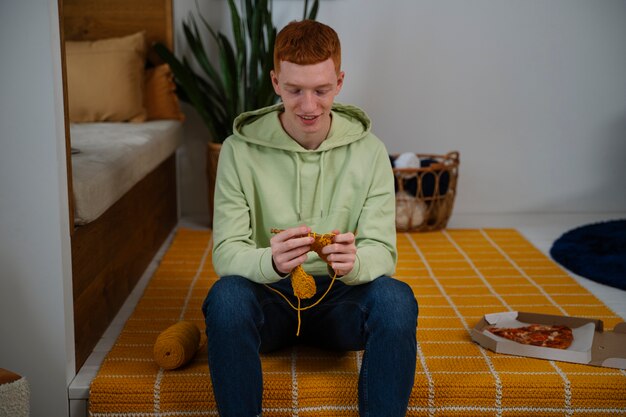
[[177, 345]]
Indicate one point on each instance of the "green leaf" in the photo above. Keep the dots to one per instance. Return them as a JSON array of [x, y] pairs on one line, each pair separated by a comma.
[[237, 28], [249, 12], [266, 90], [314, 9], [255, 41], [200, 55], [229, 73]]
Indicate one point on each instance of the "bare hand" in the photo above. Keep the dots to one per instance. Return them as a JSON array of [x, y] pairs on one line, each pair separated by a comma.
[[290, 247], [341, 253]]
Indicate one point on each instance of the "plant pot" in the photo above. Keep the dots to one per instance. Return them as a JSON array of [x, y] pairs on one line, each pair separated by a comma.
[[213, 155]]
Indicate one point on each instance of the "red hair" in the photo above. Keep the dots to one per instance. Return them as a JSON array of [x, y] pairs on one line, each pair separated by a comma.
[[307, 42]]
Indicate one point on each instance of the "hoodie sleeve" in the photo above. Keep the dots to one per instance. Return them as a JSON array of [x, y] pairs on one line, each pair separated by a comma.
[[376, 230], [234, 251]]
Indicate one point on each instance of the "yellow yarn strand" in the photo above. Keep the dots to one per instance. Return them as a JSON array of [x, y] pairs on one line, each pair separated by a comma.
[[299, 319], [298, 308]]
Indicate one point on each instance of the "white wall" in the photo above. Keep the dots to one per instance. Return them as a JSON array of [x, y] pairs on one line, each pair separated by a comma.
[[35, 320], [531, 92]]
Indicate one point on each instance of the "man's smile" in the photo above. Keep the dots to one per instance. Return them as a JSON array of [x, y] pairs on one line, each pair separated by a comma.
[[308, 119]]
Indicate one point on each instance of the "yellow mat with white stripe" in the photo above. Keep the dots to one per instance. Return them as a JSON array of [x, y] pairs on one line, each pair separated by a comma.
[[457, 276]]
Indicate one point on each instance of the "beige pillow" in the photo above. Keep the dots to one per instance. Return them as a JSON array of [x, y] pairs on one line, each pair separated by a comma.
[[159, 95], [105, 79]]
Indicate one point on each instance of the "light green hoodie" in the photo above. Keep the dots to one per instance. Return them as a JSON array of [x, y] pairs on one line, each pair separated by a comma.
[[266, 180]]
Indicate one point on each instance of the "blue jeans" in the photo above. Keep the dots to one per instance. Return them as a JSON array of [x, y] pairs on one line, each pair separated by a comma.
[[244, 319]]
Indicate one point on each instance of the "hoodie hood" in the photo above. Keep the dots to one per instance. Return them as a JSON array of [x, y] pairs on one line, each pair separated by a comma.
[[263, 127]]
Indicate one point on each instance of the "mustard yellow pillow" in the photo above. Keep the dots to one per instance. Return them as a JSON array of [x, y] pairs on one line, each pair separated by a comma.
[[159, 96], [105, 79]]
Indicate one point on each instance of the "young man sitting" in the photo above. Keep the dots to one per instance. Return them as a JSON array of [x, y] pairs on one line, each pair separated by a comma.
[[307, 165]]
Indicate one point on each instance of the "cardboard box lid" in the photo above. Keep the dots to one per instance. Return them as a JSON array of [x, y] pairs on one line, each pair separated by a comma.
[[605, 349]]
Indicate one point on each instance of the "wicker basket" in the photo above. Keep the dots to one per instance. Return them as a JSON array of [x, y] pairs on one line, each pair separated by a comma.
[[425, 196]]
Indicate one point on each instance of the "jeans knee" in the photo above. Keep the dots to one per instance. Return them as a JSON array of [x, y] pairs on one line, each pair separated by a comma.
[[230, 302], [395, 303]]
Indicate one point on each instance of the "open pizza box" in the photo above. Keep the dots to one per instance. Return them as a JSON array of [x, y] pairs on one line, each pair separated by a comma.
[[591, 345]]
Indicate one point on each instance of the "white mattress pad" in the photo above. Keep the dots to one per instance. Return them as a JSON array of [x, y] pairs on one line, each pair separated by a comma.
[[108, 159]]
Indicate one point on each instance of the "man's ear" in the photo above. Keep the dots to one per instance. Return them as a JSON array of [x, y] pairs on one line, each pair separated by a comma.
[[340, 78], [274, 77]]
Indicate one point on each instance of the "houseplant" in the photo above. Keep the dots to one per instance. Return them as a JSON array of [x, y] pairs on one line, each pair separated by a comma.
[[239, 81]]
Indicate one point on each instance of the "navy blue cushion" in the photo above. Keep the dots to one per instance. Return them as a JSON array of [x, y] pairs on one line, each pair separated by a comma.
[[596, 251]]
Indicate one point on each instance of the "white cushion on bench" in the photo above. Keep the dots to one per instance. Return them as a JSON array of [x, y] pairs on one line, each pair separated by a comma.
[[113, 157]]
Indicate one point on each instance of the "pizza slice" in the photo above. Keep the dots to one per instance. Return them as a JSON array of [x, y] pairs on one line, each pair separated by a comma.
[[553, 336]]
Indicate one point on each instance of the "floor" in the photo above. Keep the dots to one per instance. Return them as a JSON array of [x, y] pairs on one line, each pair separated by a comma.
[[540, 229]]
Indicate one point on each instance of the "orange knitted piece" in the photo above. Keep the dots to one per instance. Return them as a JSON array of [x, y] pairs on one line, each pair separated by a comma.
[[319, 243], [303, 284]]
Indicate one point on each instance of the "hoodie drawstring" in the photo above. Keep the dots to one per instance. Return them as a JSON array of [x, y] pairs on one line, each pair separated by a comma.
[[321, 176], [298, 188]]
